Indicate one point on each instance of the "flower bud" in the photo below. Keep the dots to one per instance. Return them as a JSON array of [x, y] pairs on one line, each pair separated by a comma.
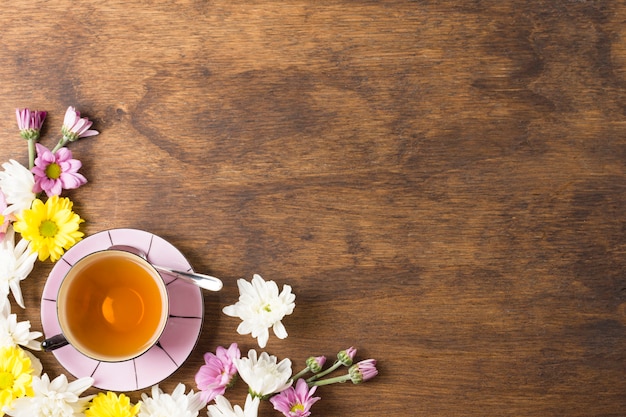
[[347, 356], [363, 371], [315, 364]]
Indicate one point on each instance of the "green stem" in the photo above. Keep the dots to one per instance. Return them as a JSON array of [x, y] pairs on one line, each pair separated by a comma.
[[31, 153], [336, 365], [300, 374], [59, 145], [340, 379]]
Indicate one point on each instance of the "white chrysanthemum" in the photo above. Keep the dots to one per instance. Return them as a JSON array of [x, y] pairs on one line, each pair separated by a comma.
[[17, 182], [16, 263], [263, 375], [177, 404], [223, 408], [53, 399], [13, 332], [261, 307]]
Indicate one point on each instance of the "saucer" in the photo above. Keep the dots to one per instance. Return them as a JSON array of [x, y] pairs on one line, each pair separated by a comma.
[[186, 309]]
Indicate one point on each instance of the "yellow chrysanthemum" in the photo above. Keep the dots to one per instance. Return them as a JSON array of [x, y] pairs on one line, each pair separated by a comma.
[[16, 375], [51, 227], [110, 405]]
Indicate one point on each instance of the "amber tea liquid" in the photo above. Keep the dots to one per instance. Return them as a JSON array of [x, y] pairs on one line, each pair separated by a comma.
[[112, 307]]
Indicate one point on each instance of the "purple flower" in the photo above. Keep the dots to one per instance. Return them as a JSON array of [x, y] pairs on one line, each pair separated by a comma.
[[347, 356], [315, 363], [75, 127], [295, 402], [56, 171], [218, 372], [30, 122], [5, 219], [363, 371]]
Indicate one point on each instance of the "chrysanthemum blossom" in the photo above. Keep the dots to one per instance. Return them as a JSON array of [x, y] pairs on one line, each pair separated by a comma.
[[16, 375], [51, 227], [58, 398], [177, 404], [223, 408], [16, 263], [218, 372], [260, 307], [5, 220], [263, 374], [16, 183], [295, 402], [55, 172], [363, 371], [346, 357], [30, 122], [14, 333], [111, 405], [75, 127]]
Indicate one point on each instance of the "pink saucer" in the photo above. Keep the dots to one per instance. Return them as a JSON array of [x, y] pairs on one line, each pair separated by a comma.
[[179, 337]]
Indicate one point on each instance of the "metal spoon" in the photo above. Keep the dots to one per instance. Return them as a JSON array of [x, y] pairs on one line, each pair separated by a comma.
[[203, 281]]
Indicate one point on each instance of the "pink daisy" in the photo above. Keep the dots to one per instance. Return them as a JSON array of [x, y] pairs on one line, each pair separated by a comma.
[[218, 372], [56, 171], [295, 402]]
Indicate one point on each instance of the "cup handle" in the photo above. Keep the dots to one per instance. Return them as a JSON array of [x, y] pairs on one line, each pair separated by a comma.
[[54, 342]]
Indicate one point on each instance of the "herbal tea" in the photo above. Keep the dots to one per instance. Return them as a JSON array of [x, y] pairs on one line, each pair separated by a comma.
[[112, 307]]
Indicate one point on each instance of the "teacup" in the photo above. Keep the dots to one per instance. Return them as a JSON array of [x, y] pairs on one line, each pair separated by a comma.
[[112, 306]]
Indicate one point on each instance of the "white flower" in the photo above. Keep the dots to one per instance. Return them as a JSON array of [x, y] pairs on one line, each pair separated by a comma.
[[17, 182], [16, 262], [53, 399], [263, 375], [222, 408], [13, 332], [261, 307], [178, 404]]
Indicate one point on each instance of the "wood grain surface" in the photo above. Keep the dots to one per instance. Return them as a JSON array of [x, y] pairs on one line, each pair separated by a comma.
[[441, 182]]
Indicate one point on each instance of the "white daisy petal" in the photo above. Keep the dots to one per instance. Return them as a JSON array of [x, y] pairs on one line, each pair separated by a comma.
[[261, 307]]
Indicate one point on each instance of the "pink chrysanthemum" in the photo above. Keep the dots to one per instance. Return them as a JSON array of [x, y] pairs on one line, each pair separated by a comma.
[[30, 122], [55, 172], [218, 372], [295, 402], [75, 127], [5, 219]]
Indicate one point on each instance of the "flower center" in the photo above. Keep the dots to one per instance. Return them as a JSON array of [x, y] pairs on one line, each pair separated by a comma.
[[297, 407], [1, 220], [267, 308], [48, 228], [53, 171], [6, 380]]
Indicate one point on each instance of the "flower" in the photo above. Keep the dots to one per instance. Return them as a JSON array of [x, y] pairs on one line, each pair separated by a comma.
[[13, 332], [177, 404], [16, 182], [363, 371], [260, 307], [5, 220], [263, 375], [346, 356], [295, 402], [218, 372], [315, 363], [53, 399], [74, 127], [110, 405], [16, 375], [51, 228], [55, 172], [223, 408], [30, 122], [16, 263]]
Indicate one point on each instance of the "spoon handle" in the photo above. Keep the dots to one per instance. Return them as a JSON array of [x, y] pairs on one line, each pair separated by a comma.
[[203, 281]]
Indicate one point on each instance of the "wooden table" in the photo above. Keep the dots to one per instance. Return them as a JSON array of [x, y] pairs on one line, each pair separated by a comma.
[[442, 183]]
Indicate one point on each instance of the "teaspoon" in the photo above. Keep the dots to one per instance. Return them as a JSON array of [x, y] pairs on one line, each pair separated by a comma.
[[203, 281]]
